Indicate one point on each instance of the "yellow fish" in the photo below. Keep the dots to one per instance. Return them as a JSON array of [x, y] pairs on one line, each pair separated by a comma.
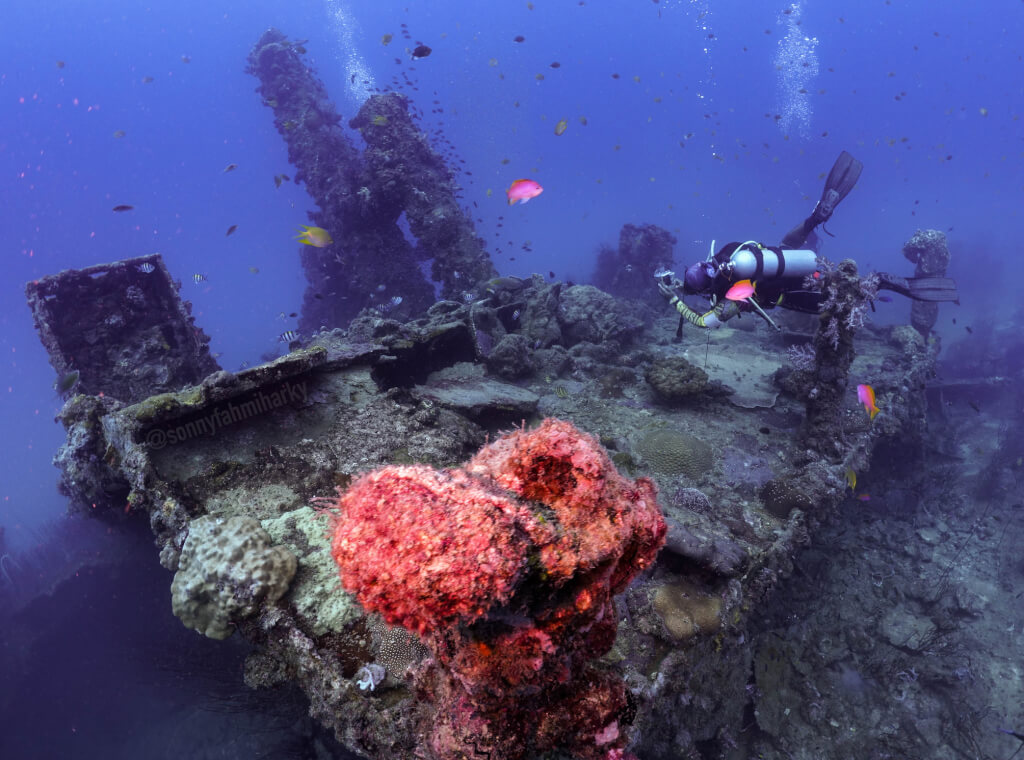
[[851, 479], [315, 236], [561, 126]]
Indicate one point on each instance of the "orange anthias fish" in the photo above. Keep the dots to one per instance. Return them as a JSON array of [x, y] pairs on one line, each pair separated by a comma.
[[866, 396], [522, 190], [741, 291], [315, 236]]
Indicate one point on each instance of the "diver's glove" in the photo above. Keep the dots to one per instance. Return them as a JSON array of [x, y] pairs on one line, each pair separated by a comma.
[[668, 291]]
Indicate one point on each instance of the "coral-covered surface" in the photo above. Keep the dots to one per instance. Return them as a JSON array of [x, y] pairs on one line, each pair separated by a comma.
[[123, 328], [507, 570]]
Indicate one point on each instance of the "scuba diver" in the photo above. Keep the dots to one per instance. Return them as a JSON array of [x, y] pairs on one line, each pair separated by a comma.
[[753, 277]]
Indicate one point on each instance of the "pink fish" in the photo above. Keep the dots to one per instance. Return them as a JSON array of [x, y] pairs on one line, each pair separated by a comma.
[[522, 190], [866, 396], [741, 291], [863, 497]]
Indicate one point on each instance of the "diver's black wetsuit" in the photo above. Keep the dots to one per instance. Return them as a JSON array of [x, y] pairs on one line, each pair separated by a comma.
[[780, 287]]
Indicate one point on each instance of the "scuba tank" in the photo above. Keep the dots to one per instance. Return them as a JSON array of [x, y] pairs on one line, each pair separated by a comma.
[[753, 261]]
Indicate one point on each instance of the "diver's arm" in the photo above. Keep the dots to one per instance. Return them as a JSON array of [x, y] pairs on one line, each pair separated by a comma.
[[711, 319]]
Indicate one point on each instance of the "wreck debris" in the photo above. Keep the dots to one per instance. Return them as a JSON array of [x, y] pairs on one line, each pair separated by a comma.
[[927, 249], [362, 197], [122, 326]]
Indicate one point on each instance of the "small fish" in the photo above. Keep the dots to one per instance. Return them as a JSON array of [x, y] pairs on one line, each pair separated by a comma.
[[279, 178], [851, 479], [741, 291], [421, 51], [561, 392], [231, 230], [147, 80], [230, 168], [561, 126], [146, 268], [555, 65], [123, 207], [522, 190], [119, 133], [386, 39], [519, 38], [863, 497], [968, 329], [186, 59], [300, 49], [515, 315], [663, 271], [243, 365], [583, 121], [66, 382], [198, 278], [290, 125], [314, 236], [974, 406], [60, 64], [293, 314], [272, 102], [379, 120], [254, 270], [288, 336], [866, 396], [506, 283], [551, 275]]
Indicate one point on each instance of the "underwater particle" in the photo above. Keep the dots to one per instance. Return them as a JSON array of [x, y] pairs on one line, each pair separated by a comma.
[[231, 230], [386, 39], [119, 133], [122, 207], [561, 126], [492, 62], [519, 38], [421, 51], [186, 59], [983, 111], [198, 278], [230, 168], [60, 64], [147, 80]]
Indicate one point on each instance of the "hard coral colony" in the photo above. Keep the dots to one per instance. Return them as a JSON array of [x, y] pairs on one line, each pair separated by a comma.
[[506, 568]]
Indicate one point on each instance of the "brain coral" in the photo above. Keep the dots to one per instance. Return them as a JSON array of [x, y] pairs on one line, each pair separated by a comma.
[[675, 379], [672, 452]]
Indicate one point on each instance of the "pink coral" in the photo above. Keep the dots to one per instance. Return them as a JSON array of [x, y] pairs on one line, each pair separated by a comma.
[[507, 568]]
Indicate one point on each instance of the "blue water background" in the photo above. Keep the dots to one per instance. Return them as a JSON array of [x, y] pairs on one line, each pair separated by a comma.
[[928, 95]]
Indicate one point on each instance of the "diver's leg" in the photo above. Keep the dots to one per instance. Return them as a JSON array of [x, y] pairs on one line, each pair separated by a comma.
[[797, 236]]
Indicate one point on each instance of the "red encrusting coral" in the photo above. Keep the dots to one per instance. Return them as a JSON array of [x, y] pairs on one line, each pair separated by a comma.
[[506, 568]]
